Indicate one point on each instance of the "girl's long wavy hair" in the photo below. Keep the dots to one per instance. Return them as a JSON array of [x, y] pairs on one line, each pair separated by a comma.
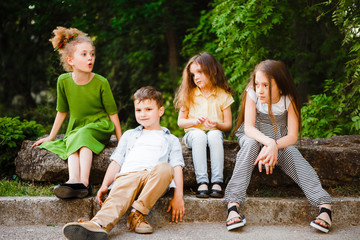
[[211, 67], [278, 71], [65, 41]]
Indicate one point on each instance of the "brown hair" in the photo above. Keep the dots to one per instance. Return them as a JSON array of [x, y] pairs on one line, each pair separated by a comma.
[[65, 40], [149, 93], [278, 71], [211, 67]]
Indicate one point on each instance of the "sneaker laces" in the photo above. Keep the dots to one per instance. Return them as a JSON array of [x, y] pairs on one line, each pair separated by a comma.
[[139, 218]]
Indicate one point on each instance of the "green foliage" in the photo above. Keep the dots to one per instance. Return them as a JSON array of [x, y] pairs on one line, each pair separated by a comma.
[[169, 119], [145, 35], [45, 116], [12, 133], [337, 110], [320, 118], [242, 33], [17, 187], [302, 34], [138, 43], [331, 113]]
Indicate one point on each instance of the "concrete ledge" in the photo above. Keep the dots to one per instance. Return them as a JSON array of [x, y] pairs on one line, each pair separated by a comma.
[[17, 211], [43, 210]]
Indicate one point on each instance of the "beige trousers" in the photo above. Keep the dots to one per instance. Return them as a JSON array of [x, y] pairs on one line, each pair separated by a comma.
[[144, 186]]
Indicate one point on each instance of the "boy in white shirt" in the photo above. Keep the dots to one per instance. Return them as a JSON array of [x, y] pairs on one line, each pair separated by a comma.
[[146, 160]]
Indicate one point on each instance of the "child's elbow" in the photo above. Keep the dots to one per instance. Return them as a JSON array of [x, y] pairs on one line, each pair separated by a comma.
[[180, 123], [293, 139], [178, 169], [246, 130], [227, 128]]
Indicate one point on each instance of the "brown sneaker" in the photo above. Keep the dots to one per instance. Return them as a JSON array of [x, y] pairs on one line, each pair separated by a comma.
[[84, 231], [137, 222]]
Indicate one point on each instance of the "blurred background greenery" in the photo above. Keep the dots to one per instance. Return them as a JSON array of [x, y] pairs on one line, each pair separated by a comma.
[[148, 42]]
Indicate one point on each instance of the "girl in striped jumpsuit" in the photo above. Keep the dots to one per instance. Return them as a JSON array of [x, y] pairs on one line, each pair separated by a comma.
[[268, 127]]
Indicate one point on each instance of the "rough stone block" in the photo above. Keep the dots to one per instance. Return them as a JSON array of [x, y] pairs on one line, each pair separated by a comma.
[[336, 160]]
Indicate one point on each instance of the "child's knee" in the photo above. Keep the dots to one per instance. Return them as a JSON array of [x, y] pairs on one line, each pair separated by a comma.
[[289, 152], [250, 143], [199, 135], [164, 169], [215, 137]]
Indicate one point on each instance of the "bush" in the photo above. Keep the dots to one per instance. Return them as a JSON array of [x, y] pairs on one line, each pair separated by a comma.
[[169, 119], [333, 112], [12, 133], [45, 115]]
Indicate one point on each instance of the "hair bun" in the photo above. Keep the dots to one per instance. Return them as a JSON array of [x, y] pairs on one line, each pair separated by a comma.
[[63, 35]]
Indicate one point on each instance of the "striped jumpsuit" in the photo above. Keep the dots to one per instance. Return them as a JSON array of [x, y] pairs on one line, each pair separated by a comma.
[[290, 161]]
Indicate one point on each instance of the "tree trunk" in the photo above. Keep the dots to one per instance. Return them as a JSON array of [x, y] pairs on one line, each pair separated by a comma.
[[173, 56]]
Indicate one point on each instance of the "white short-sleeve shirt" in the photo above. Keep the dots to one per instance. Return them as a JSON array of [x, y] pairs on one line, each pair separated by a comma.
[[277, 108], [145, 153]]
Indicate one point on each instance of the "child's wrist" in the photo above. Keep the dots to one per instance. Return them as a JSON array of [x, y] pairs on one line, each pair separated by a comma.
[[271, 142], [178, 194]]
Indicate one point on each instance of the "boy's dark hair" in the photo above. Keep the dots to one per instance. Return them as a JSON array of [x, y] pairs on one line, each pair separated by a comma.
[[149, 92]]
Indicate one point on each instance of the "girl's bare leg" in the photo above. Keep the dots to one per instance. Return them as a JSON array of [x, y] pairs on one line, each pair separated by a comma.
[[86, 156], [74, 168]]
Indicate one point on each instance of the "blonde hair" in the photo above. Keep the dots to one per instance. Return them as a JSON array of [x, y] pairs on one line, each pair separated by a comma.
[[211, 68], [65, 41]]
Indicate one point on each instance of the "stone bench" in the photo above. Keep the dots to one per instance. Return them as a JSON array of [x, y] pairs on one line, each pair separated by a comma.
[[336, 160]]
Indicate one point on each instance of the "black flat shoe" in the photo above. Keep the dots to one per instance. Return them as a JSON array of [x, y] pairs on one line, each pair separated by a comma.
[[89, 190], [202, 193], [217, 193], [71, 190]]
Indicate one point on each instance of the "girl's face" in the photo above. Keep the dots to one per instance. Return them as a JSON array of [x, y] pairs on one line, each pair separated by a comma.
[[262, 88], [83, 58], [200, 79]]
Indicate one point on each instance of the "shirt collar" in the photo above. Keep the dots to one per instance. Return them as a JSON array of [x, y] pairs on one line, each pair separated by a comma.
[[140, 128], [198, 92]]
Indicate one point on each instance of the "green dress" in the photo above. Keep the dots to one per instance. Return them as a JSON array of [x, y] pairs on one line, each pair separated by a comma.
[[89, 107]]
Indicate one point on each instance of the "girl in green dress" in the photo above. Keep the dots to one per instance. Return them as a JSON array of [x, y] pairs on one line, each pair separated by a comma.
[[88, 99]]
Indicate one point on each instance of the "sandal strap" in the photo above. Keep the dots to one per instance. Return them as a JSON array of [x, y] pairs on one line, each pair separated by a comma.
[[233, 208], [326, 210], [320, 219], [241, 219]]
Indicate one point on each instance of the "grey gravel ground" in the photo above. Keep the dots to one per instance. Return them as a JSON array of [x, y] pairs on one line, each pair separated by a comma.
[[206, 231]]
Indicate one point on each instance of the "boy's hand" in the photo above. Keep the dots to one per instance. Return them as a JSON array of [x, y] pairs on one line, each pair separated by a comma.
[[178, 209], [101, 194]]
